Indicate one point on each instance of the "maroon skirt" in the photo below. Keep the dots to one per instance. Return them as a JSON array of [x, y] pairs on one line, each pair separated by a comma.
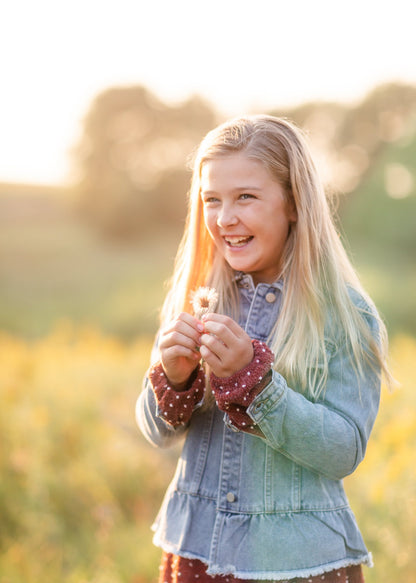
[[175, 569]]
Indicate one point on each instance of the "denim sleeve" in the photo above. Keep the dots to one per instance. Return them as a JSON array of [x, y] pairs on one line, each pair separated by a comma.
[[153, 427], [328, 436], [148, 417]]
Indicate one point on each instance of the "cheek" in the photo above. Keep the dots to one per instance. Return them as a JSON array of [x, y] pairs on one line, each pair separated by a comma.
[[210, 222]]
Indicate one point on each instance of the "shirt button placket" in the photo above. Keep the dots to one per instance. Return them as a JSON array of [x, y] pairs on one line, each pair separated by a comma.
[[270, 297], [230, 470]]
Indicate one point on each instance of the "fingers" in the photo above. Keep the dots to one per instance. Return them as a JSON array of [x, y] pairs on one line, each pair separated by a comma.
[[179, 347], [218, 339], [225, 346], [185, 331], [223, 328]]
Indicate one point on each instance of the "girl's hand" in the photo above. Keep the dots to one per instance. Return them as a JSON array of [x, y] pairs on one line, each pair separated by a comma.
[[179, 348], [225, 347]]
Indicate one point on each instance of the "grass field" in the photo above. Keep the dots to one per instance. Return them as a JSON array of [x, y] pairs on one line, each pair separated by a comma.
[[80, 486], [52, 266]]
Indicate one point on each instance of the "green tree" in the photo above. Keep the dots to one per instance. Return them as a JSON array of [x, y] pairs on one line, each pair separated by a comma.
[[132, 160]]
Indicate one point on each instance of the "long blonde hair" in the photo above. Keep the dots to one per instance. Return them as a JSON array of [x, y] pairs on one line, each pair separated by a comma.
[[316, 271]]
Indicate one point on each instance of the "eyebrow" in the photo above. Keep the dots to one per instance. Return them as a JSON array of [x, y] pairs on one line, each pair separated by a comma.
[[237, 189]]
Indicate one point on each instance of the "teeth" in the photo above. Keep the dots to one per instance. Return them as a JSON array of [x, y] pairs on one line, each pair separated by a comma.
[[237, 241]]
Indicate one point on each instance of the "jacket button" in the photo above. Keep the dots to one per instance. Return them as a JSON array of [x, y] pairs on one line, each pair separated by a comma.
[[230, 497], [270, 297]]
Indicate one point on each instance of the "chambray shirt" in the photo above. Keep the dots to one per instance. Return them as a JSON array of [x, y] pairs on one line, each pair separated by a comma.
[[270, 507]]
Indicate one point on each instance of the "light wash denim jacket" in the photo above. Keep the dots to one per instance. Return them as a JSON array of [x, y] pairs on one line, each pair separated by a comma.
[[270, 507]]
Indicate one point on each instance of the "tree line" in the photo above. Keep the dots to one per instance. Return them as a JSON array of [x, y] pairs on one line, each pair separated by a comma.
[[132, 158]]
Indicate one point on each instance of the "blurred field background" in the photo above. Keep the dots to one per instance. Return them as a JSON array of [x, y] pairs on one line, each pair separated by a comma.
[[82, 272]]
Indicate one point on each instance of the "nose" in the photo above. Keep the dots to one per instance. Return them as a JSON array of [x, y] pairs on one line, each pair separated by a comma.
[[227, 216]]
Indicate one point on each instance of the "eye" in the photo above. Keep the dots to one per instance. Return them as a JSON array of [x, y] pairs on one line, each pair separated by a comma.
[[246, 196], [209, 200]]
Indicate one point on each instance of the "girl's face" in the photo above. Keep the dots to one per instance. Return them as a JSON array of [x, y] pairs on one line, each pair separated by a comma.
[[246, 214]]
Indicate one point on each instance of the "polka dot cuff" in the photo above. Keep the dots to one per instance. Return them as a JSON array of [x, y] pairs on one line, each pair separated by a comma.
[[176, 407], [235, 393]]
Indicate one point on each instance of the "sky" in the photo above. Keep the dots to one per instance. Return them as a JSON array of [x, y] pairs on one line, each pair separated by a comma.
[[57, 55]]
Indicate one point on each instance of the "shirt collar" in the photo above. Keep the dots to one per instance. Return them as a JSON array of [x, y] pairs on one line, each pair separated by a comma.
[[245, 280]]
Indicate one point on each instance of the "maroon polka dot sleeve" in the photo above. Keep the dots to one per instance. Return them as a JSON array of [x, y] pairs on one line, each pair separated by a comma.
[[176, 407], [235, 394]]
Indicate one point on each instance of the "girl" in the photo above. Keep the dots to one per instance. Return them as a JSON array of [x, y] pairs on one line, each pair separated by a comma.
[[277, 391]]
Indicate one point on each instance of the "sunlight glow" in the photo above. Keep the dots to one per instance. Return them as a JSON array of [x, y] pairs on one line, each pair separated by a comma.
[[399, 182], [241, 58]]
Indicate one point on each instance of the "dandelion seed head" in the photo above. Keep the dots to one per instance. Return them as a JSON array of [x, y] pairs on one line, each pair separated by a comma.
[[204, 300]]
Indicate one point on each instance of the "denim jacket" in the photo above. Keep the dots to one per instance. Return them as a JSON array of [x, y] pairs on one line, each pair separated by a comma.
[[270, 507]]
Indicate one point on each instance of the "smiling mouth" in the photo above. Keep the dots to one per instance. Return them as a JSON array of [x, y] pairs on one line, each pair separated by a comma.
[[237, 241]]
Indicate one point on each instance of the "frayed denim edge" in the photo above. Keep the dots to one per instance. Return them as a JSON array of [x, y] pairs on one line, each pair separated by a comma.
[[270, 575], [302, 573], [174, 551]]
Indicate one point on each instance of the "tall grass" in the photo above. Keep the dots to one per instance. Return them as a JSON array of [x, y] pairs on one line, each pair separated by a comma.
[[383, 489], [80, 487]]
